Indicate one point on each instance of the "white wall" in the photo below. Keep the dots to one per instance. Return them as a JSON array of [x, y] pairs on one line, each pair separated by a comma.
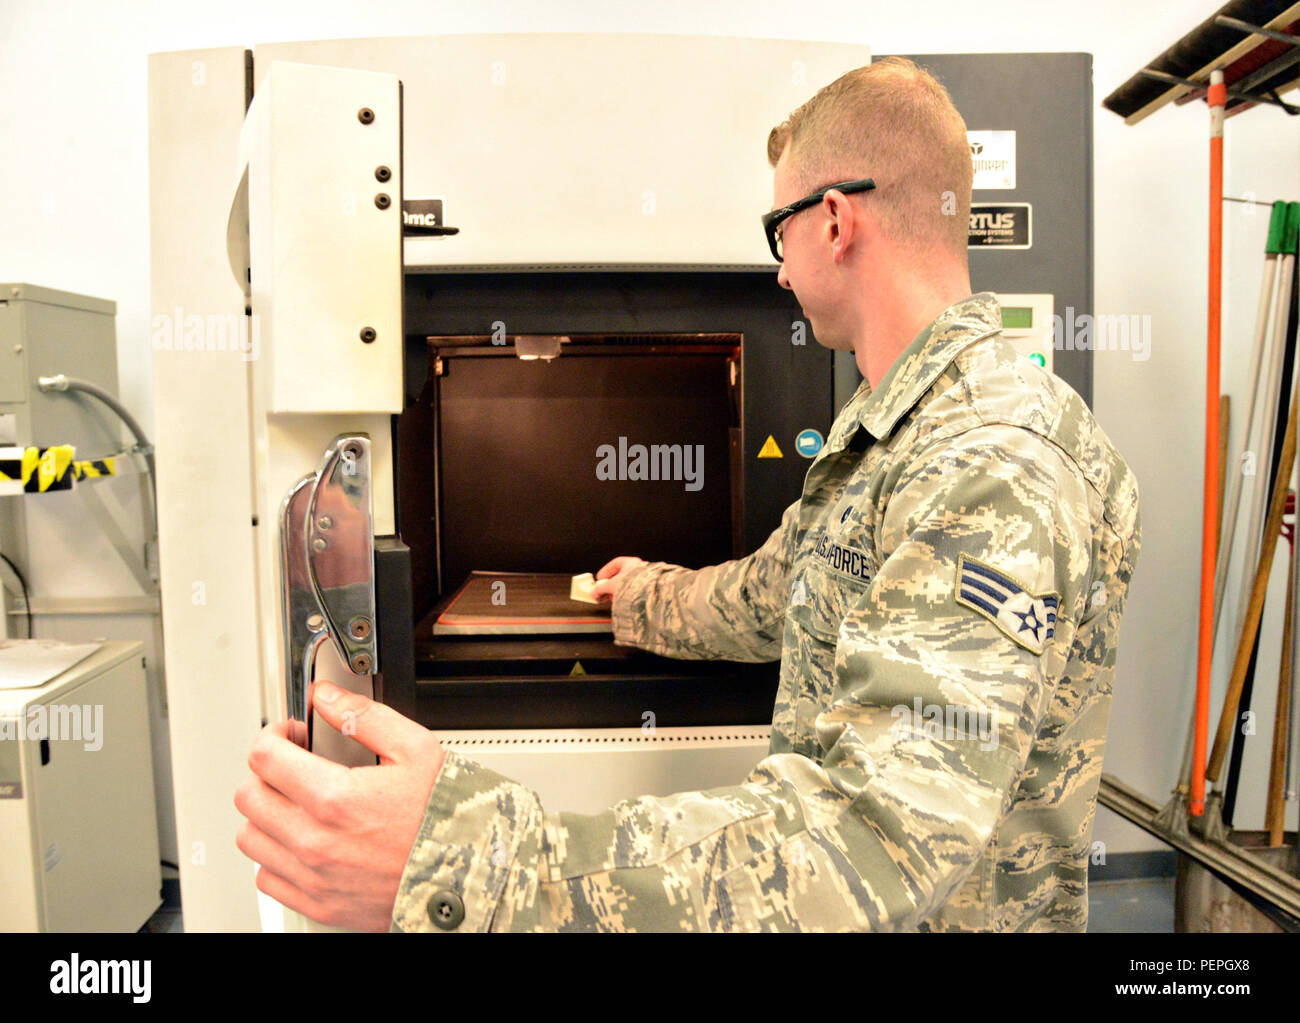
[[73, 202]]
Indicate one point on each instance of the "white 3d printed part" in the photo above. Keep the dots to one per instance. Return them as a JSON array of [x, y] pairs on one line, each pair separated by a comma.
[[580, 588]]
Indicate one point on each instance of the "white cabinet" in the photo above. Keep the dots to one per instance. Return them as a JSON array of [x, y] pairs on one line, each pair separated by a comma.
[[78, 830]]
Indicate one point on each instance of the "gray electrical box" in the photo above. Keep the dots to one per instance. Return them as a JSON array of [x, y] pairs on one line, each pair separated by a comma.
[[44, 332]]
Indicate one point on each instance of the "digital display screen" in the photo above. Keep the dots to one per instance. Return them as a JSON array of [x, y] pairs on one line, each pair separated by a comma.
[[1017, 317]]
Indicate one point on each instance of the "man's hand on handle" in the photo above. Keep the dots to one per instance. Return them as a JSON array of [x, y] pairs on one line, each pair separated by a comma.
[[333, 841]]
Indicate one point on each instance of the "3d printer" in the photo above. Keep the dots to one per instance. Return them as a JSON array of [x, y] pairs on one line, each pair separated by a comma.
[[608, 288]]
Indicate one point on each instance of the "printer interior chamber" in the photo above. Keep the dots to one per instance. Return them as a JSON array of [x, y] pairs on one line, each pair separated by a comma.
[[510, 466], [536, 459]]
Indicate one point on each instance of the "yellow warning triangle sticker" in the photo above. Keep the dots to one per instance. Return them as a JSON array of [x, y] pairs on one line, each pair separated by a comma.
[[577, 669], [769, 448]]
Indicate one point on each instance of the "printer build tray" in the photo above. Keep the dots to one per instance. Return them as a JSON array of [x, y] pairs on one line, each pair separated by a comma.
[[518, 604], [535, 659]]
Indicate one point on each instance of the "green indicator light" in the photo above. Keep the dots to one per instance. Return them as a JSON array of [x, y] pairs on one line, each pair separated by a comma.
[[1037, 357]]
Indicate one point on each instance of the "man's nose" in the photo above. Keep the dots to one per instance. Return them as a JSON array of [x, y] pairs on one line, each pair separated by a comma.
[[781, 278]]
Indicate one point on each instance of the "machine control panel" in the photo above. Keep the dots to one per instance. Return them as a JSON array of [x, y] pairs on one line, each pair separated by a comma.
[[1027, 324]]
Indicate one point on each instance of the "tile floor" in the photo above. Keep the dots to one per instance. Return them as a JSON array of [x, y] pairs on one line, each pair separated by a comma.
[[1140, 906]]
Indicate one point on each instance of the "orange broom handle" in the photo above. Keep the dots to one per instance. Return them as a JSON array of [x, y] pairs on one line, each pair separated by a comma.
[[1216, 98]]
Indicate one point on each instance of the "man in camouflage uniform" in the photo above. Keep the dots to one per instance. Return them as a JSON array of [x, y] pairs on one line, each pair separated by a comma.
[[996, 529], [945, 599]]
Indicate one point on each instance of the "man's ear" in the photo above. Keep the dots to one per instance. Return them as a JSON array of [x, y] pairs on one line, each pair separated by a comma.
[[844, 224]]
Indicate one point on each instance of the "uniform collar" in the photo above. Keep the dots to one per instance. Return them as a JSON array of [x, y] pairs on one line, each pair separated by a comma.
[[920, 363]]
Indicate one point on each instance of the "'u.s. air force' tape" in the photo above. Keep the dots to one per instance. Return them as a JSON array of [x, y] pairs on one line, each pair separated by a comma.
[[845, 560], [37, 470], [1028, 618]]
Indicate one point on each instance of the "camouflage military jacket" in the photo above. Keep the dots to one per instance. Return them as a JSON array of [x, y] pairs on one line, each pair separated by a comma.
[[945, 600]]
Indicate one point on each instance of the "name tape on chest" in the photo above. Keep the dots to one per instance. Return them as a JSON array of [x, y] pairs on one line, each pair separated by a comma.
[[1028, 618]]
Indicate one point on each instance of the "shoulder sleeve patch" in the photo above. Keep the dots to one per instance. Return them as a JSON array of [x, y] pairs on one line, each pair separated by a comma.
[[1027, 618]]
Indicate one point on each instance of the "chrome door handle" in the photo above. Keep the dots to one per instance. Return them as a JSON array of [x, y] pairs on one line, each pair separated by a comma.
[[328, 577]]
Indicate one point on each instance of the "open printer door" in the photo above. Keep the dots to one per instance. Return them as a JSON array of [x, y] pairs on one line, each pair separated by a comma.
[[315, 242]]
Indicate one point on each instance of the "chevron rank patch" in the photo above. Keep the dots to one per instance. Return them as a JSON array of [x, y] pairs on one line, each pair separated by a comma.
[[1028, 618]]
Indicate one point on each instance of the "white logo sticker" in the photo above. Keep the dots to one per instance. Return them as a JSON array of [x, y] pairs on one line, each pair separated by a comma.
[[993, 154]]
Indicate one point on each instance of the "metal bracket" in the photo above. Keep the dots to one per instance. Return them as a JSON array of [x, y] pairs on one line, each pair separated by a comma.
[[1268, 888], [1250, 97], [1257, 30], [107, 517], [428, 231]]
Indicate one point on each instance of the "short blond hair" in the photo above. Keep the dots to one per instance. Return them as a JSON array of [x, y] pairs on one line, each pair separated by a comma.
[[895, 123]]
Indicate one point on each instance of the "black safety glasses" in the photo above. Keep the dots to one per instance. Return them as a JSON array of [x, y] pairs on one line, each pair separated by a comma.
[[773, 220]]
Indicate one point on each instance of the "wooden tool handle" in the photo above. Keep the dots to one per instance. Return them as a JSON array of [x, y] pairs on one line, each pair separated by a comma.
[[1255, 609], [1275, 812]]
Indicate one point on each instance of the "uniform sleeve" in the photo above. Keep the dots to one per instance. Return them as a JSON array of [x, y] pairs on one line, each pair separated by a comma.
[[734, 611], [880, 833]]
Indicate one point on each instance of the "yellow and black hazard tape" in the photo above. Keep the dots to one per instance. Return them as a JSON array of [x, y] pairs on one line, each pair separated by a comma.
[[33, 470], [91, 468]]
